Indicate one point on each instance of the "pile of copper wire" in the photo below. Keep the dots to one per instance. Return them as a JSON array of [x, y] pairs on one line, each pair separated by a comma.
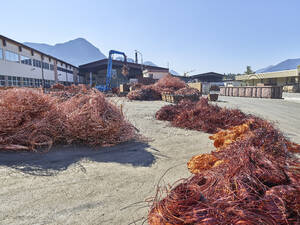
[[29, 120], [254, 178], [169, 84], [58, 86], [153, 92], [63, 93], [33, 121], [92, 120], [203, 116], [145, 93], [169, 112], [188, 91]]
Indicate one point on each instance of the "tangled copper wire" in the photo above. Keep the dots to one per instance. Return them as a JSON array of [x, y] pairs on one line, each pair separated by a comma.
[[253, 177], [188, 91], [202, 116], [34, 121], [153, 92]]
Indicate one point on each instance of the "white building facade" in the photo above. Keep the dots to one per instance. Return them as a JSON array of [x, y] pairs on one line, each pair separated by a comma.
[[23, 66], [155, 73]]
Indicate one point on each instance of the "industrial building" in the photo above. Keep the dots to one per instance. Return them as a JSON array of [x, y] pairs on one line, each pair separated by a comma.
[[289, 79], [23, 66], [94, 73], [203, 77]]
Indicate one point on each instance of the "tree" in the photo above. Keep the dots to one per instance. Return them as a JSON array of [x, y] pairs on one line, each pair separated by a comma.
[[249, 70]]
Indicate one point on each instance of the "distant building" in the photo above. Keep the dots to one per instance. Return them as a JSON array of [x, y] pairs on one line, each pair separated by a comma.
[[289, 79], [155, 74], [23, 66], [203, 77], [97, 72], [232, 83]]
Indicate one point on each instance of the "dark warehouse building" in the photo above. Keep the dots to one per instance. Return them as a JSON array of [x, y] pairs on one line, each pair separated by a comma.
[[204, 77], [97, 71]]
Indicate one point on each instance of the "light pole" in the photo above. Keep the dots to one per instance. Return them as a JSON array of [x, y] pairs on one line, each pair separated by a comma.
[[138, 52]]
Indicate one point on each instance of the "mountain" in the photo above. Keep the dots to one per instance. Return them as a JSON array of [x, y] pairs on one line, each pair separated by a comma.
[[288, 64], [120, 58], [149, 63], [76, 52], [264, 69]]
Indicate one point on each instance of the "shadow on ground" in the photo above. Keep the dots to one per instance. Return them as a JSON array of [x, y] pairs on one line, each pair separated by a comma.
[[60, 158]]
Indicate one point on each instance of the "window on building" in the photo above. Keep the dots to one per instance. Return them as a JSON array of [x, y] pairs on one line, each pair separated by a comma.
[[25, 60], [2, 80], [51, 67], [46, 66], [25, 82], [36, 83], [16, 81], [11, 56], [293, 80], [19, 81], [1, 53], [20, 48], [4, 42], [9, 81], [31, 82], [37, 63]]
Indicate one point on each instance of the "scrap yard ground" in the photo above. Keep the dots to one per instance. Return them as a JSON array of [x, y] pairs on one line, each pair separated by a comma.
[[76, 185]]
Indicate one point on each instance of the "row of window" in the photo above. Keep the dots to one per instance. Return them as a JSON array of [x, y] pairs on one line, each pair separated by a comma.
[[64, 70], [14, 57], [27, 82]]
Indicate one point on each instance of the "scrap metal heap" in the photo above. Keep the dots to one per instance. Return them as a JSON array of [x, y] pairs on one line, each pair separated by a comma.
[[202, 116], [154, 91], [33, 121], [253, 176]]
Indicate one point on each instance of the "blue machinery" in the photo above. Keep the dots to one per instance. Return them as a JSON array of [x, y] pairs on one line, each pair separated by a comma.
[[107, 86]]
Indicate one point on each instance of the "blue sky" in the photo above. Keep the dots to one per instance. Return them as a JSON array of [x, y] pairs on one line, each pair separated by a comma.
[[202, 35]]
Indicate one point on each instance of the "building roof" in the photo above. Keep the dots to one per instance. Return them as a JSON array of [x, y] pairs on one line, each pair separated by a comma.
[[206, 75], [42, 53], [103, 63], [156, 70], [275, 74]]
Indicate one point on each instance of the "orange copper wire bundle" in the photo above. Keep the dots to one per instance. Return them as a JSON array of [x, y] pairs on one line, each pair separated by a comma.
[[203, 162], [247, 189], [225, 137], [252, 178]]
